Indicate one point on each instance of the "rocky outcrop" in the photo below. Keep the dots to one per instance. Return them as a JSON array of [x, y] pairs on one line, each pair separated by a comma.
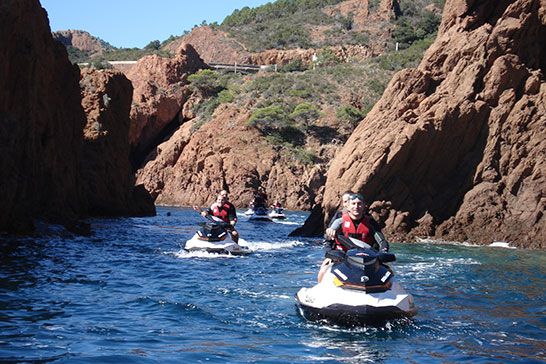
[[213, 46], [108, 178], [160, 90], [82, 40], [455, 149], [343, 53], [41, 124], [358, 10], [225, 153], [41, 121], [363, 13]]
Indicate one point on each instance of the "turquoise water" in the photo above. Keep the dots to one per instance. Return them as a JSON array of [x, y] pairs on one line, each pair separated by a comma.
[[130, 294]]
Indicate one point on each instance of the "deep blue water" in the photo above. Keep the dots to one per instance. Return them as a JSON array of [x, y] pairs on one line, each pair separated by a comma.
[[130, 294]]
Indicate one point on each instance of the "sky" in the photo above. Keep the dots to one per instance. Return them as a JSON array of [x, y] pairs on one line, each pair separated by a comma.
[[135, 23]]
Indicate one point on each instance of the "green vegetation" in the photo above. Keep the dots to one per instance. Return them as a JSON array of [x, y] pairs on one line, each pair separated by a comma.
[[153, 45], [406, 33], [409, 57], [99, 64], [286, 24], [77, 56], [350, 114], [305, 113], [216, 88], [274, 10], [282, 24], [298, 108], [207, 82]]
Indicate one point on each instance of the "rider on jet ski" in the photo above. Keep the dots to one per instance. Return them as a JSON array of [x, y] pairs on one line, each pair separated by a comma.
[[355, 222], [260, 199], [224, 210]]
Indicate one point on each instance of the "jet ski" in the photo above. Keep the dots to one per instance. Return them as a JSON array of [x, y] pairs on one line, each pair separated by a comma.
[[260, 214], [214, 237], [358, 288], [277, 213]]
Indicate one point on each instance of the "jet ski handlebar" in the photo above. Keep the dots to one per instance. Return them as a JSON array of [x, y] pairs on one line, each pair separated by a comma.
[[351, 243], [214, 219]]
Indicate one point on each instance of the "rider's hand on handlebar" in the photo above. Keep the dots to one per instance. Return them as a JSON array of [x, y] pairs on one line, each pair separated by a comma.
[[330, 233]]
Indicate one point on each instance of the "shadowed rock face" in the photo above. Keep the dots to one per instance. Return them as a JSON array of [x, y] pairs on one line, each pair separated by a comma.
[[41, 121], [456, 149], [43, 161], [108, 178]]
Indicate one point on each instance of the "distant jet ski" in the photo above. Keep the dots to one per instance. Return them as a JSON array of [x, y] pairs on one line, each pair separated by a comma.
[[214, 237], [357, 289], [260, 214], [277, 213]]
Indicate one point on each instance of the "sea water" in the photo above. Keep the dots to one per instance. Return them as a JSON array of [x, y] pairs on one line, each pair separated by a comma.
[[130, 294]]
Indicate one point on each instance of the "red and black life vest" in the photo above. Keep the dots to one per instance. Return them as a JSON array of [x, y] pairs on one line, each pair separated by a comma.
[[222, 211], [363, 231]]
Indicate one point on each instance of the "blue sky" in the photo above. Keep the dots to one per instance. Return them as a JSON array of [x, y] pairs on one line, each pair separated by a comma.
[[134, 23]]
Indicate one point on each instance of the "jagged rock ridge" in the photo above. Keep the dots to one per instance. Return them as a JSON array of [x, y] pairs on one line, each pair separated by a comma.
[[82, 41]]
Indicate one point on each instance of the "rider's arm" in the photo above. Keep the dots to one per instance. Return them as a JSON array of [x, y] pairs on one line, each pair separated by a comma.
[[336, 224], [333, 228], [232, 215]]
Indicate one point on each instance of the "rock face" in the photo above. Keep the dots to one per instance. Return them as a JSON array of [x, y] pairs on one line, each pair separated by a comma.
[[41, 121], [108, 178], [191, 167], [359, 11], [283, 57], [456, 149], [41, 124], [82, 40], [160, 90], [216, 46], [212, 45]]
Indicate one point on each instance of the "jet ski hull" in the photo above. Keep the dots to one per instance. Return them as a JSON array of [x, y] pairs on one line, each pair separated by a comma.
[[260, 218], [260, 214], [275, 215], [350, 307], [347, 315], [227, 246]]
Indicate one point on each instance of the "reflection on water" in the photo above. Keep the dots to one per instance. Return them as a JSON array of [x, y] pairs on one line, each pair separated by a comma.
[[130, 293]]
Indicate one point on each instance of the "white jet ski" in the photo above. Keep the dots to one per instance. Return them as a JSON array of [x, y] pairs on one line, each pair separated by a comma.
[[357, 289], [260, 214], [214, 237], [277, 213]]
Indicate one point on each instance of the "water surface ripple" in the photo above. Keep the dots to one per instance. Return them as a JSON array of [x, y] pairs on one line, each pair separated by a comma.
[[130, 294]]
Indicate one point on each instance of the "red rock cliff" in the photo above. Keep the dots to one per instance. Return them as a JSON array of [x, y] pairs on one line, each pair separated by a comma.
[[160, 91], [41, 125], [456, 149], [192, 166], [41, 121], [108, 178]]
